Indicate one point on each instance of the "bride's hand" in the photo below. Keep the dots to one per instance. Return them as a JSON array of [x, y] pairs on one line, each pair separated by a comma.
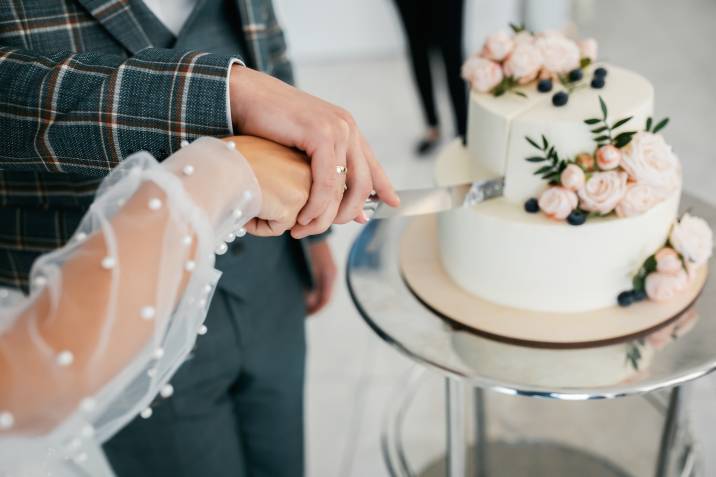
[[284, 175]]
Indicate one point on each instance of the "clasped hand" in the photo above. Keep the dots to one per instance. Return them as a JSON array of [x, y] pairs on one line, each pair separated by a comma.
[[265, 107], [284, 176]]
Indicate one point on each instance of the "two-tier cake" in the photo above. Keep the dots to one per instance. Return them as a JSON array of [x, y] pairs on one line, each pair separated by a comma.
[[589, 216]]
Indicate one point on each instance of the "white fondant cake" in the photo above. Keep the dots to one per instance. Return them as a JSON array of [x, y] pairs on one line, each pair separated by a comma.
[[591, 190], [498, 252]]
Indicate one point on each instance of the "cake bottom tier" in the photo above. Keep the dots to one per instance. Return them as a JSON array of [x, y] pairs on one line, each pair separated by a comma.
[[499, 252]]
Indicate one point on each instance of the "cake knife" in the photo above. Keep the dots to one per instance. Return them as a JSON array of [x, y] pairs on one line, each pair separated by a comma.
[[438, 199]]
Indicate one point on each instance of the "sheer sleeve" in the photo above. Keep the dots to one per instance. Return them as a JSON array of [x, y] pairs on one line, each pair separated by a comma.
[[112, 315]]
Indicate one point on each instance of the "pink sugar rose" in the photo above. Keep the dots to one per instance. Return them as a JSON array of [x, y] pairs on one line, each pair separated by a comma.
[[638, 199], [559, 53], [482, 74], [668, 261], [692, 270], [649, 160], [603, 191], [693, 239], [498, 46], [588, 49], [524, 63], [665, 286], [573, 177], [608, 157], [558, 202]]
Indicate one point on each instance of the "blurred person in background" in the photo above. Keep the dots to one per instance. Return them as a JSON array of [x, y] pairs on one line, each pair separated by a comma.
[[431, 25]]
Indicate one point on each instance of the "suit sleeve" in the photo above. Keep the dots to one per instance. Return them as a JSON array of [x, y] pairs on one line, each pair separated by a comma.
[[83, 113]]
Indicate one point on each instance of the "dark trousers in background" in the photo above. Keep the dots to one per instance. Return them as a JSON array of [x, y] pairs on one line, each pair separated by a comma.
[[433, 24]]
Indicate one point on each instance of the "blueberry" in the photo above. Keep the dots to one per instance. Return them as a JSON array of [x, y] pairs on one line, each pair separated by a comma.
[[576, 218], [600, 72], [598, 83], [575, 75], [639, 295], [544, 86], [625, 298], [532, 206], [560, 99]]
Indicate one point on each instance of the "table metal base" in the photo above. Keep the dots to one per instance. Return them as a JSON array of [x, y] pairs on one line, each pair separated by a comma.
[[534, 459]]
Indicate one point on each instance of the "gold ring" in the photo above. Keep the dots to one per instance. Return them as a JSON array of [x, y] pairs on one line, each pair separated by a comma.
[[341, 170]]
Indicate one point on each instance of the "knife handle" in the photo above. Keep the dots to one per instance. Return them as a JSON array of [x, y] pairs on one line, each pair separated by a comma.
[[371, 203]]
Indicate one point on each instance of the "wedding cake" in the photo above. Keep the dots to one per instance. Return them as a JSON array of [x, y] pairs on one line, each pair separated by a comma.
[[589, 216]]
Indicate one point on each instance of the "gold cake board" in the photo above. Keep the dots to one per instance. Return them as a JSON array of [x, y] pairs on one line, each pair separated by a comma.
[[425, 276]]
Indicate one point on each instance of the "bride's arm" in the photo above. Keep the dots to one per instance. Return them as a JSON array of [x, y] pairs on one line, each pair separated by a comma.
[[105, 300]]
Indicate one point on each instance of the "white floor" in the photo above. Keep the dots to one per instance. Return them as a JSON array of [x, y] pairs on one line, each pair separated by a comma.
[[351, 372]]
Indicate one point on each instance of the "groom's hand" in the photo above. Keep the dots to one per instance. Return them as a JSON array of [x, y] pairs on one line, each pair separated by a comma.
[[284, 177], [266, 107]]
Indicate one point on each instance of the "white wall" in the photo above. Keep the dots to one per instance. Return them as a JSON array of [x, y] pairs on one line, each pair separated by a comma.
[[334, 29]]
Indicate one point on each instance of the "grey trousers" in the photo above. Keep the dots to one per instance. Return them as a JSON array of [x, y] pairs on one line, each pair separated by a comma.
[[237, 408]]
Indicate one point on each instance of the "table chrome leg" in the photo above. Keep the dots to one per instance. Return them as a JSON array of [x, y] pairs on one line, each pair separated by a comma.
[[668, 433], [391, 438], [456, 445], [480, 455]]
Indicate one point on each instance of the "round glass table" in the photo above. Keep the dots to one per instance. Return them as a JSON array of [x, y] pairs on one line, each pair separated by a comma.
[[653, 366]]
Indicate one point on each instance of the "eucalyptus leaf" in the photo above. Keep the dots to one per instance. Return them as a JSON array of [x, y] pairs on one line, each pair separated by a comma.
[[624, 138], [638, 283], [648, 124], [545, 144], [520, 93], [621, 122], [602, 138], [532, 141], [603, 105], [599, 129], [592, 121], [536, 159], [543, 169], [622, 141], [662, 124]]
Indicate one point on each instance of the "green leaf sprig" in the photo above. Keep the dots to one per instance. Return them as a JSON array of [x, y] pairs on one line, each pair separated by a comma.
[[552, 170], [605, 133], [657, 127], [648, 267], [518, 28]]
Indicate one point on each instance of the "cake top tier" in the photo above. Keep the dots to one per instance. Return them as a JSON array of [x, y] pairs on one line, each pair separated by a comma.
[[624, 91], [543, 84]]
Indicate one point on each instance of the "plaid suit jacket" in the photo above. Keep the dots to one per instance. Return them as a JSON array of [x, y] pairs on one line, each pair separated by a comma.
[[81, 88]]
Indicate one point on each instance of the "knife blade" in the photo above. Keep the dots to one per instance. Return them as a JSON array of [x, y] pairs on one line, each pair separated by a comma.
[[438, 199]]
